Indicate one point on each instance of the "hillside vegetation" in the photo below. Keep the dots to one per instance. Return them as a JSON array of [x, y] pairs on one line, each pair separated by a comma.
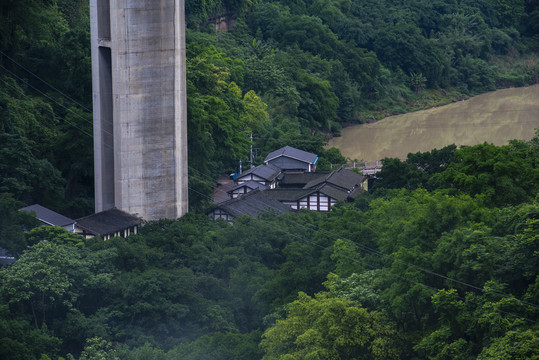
[[289, 72], [439, 260]]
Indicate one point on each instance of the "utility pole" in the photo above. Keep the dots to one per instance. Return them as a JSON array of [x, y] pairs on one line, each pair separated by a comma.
[[251, 154]]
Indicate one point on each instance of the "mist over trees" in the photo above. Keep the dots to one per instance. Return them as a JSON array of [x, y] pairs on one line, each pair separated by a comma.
[[402, 273], [437, 261]]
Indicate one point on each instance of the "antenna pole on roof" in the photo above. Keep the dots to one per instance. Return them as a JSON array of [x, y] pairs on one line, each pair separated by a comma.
[[240, 167], [251, 154]]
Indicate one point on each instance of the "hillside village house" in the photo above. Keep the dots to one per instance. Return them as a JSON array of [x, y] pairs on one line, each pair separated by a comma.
[[244, 188], [289, 158], [250, 204], [50, 218], [296, 187], [263, 174], [108, 224], [321, 193]]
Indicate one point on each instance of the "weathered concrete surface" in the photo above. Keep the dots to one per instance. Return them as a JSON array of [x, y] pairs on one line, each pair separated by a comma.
[[140, 131]]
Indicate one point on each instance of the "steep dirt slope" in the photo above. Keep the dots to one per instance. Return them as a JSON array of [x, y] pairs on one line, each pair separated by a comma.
[[494, 117]]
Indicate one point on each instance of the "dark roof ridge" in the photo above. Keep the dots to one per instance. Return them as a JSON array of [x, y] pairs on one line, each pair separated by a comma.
[[293, 153], [260, 202], [48, 216], [108, 221], [259, 171]]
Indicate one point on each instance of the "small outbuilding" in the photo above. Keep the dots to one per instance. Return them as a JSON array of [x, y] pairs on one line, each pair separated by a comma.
[[244, 188], [50, 218], [108, 224], [263, 174]]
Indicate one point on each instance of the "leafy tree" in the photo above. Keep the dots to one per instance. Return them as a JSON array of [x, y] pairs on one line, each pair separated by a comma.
[[98, 349], [219, 346], [416, 171], [515, 345], [13, 223], [26, 177], [27, 21], [55, 234], [502, 175], [361, 288], [43, 279], [19, 339], [327, 327]]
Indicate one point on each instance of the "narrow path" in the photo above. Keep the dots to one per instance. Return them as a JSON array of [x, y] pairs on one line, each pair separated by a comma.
[[224, 184]]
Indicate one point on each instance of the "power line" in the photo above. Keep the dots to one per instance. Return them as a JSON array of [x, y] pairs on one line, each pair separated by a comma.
[[296, 224], [48, 109], [359, 245], [364, 247], [45, 82], [53, 100]]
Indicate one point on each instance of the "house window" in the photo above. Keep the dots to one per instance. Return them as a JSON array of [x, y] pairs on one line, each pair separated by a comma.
[[220, 214], [314, 202]]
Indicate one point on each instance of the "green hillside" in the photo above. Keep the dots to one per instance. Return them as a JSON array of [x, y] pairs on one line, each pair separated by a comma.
[[438, 261], [494, 117], [289, 72]]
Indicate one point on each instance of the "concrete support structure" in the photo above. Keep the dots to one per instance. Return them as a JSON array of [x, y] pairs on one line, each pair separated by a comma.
[[139, 96]]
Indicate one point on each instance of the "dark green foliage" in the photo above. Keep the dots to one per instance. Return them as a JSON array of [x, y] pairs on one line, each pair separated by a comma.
[[13, 223], [415, 171], [439, 261], [220, 346], [410, 273], [505, 175], [27, 178]]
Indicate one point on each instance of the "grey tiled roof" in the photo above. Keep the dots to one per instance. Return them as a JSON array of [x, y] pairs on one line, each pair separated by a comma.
[[343, 178], [293, 153], [48, 216], [285, 195], [250, 184], [288, 194], [252, 204], [108, 222], [333, 192], [300, 179], [267, 172]]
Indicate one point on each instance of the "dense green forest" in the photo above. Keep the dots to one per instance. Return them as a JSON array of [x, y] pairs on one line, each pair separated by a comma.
[[438, 260], [289, 72]]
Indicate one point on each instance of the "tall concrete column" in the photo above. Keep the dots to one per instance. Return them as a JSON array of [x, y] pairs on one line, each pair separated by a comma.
[[139, 96]]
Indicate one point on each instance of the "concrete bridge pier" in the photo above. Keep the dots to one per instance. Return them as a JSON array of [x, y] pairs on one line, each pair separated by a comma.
[[139, 103]]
